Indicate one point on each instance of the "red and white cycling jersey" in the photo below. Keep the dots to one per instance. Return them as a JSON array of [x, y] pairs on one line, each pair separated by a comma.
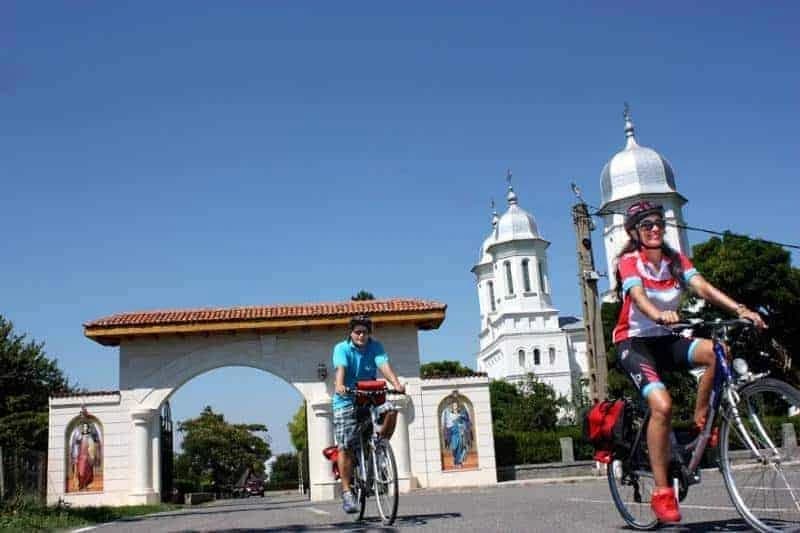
[[663, 290]]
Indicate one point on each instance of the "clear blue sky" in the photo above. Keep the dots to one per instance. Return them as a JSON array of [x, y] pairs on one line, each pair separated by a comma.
[[216, 154]]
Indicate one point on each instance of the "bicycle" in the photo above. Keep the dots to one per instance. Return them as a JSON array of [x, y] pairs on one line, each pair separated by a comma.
[[751, 408], [375, 469]]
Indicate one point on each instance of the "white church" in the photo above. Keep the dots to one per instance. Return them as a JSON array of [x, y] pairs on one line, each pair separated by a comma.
[[521, 331]]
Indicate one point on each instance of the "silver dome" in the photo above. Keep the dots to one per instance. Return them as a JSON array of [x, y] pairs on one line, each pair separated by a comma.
[[516, 223], [635, 170]]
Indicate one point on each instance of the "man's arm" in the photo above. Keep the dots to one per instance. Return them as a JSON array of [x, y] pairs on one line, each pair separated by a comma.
[[388, 373], [340, 387]]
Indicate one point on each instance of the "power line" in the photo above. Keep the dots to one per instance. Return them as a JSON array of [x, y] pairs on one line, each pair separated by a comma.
[[600, 212]]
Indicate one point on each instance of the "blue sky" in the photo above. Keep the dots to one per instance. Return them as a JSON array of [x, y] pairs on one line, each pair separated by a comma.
[[218, 154]]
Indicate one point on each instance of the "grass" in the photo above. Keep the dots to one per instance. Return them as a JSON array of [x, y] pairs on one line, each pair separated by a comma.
[[25, 514]]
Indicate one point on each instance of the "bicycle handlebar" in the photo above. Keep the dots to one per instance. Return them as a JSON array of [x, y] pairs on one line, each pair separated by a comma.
[[681, 326]]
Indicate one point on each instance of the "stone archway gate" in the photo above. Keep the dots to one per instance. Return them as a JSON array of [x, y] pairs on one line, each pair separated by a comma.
[[161, 350]]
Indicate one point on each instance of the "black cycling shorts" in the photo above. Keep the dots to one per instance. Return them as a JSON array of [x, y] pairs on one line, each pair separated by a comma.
[[642, 358]]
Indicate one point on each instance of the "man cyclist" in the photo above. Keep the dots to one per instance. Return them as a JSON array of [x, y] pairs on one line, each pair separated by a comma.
[[650, 279], [356, 358]]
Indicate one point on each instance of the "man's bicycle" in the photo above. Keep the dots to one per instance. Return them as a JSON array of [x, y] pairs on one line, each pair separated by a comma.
[[760, 468], [375, 469]]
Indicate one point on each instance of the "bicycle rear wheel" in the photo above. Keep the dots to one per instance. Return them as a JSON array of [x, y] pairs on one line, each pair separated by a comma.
[[631, 489], [385, 482], [764, 487]]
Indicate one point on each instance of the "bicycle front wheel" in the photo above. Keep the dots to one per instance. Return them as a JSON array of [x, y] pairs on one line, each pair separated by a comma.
[[759, 457], [385, 482], [631, 489]]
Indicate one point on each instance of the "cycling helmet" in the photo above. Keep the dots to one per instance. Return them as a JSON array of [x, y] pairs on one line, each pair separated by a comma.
[[639, 210], [361, 320]]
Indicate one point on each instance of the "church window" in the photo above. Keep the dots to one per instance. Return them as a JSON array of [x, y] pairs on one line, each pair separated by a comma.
[[509, 281], [526, 275], [541, 276], [552, 353], [537, 357], [521, 358], [491, 295]]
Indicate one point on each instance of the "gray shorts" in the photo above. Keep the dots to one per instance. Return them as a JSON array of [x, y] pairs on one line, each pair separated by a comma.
[[345, 426]]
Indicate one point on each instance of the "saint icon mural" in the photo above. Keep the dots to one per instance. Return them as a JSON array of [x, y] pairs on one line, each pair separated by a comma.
[[84, 454], [457, 433]]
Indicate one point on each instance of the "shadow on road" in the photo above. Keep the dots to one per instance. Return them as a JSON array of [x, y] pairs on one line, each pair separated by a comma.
[[703, 527], [373, 524]]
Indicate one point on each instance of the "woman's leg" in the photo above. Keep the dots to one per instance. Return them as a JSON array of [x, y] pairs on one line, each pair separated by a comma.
[[658, 430], [701, 353]]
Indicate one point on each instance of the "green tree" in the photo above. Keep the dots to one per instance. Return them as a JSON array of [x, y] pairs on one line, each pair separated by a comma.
[[27, 380], [298, 433], [437, 369], [530, 406], [503, 396], [284, 470], [759, 275], [539, 406], [218, 452], [363, 295]]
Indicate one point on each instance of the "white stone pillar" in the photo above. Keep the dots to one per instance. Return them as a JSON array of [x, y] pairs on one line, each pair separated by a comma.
[[141, 466], [320, 435], [155, 450], [401, 445]]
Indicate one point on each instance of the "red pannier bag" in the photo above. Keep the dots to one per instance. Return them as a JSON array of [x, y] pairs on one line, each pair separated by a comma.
[[605, 427], [331, 453], [375, 385]]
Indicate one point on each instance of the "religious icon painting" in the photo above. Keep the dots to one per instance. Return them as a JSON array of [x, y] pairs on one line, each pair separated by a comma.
[[457, 433], [84, 454]]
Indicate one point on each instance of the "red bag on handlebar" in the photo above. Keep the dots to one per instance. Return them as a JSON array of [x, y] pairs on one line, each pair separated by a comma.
[[376, 386], [604, 426]]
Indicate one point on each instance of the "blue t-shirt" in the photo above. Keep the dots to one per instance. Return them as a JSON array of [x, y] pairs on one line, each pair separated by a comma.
[[357, 365]]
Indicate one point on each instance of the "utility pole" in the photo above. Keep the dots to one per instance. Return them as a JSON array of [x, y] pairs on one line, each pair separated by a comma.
[[588, 277]]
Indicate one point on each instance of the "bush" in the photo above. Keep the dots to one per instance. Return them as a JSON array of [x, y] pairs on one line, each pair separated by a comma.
[[531, 447]]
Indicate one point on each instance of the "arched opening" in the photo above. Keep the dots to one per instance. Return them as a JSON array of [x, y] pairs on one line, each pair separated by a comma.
[[537, 356], [221, 412], [521, 355], [526, 275], [509, 278]]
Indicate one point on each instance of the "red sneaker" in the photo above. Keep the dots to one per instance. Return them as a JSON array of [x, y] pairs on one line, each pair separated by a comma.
[[665, 505]]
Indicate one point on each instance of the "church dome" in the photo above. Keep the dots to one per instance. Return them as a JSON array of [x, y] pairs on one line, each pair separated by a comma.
[[635, 170], [516, 223]]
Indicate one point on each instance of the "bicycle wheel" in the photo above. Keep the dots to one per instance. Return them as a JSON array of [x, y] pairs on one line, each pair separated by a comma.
[[631, 489], [359, 485], [764, 487], [385, 482]]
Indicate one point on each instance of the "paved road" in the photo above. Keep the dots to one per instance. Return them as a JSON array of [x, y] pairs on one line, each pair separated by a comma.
[[567, 507]]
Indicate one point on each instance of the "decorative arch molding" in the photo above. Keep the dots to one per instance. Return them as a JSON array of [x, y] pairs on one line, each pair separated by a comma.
[[261, 354]]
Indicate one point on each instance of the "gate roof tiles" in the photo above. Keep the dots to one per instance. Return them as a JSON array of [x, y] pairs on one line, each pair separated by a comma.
[[109, 330]]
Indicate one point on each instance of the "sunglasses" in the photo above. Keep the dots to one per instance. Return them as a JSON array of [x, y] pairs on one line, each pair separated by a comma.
[[648, 225]]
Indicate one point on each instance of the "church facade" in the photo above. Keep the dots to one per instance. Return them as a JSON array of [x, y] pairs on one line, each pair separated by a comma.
[[521, 330]]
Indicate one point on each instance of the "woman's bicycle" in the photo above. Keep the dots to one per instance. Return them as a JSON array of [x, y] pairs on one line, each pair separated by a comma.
[[758, 453], [375, 469]]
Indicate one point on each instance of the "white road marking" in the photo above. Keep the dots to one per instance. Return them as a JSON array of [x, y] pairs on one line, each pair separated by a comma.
[[318, 511], [81, 530], [683, 505]]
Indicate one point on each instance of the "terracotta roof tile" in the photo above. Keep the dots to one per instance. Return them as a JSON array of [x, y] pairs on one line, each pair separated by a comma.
[[373, 308]]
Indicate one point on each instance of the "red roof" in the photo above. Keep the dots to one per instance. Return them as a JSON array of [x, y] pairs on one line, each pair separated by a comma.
[[428, 314]]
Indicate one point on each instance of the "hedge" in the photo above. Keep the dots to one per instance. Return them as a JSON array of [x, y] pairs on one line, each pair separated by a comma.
[[517, 447]]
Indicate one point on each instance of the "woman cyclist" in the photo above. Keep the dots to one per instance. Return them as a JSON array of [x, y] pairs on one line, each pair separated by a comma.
[[650, 279]]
